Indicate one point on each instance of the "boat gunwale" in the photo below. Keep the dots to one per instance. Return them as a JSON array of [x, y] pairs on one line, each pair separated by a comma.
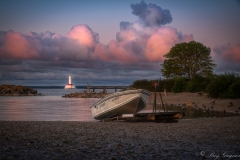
[[121, 93]]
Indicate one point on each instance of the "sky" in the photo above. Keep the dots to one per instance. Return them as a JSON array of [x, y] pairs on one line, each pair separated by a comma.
[[110, 42]]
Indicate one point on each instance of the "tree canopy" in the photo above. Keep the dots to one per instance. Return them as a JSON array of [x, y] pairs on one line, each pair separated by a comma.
[[188, 60]]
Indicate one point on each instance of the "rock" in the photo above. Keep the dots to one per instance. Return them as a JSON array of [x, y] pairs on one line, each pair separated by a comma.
[[85, 94], [12, 90], [34, 91]]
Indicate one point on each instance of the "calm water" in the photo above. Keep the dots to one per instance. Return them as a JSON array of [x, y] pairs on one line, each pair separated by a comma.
[[51, 107]]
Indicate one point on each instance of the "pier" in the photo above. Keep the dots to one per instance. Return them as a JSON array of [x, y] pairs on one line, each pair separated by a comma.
[[106, 87]]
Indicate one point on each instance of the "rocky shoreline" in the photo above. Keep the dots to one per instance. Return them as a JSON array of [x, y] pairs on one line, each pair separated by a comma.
[[203, 138], [12, 90]]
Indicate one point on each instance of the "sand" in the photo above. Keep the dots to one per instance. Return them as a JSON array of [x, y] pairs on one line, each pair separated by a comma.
[[192, 99]]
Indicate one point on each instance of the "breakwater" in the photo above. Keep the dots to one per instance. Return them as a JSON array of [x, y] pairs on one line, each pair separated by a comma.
[[12, 90], [85, 94], [93, 88]]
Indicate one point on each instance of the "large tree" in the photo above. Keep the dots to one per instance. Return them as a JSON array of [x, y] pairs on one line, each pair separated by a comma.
[[188, 60]]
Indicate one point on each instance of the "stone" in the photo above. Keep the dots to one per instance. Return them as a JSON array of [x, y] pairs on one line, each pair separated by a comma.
[[12, 90], [85, 94]]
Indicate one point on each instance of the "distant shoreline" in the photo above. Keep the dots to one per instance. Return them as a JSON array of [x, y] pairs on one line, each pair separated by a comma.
[[54, 87]]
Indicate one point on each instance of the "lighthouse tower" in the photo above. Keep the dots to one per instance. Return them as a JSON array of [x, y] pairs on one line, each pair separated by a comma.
[[69, 85]]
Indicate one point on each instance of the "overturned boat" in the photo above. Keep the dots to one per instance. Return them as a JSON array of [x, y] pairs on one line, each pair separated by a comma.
[[119, 103]]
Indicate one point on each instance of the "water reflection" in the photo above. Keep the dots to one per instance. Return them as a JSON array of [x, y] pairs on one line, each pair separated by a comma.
[[45, 108]]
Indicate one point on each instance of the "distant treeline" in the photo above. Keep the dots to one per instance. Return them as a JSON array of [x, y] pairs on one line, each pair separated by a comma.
[[218, 86]]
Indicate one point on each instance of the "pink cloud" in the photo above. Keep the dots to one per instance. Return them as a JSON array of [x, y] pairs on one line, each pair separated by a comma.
[[160, 43], [84, 35], [17, 46], [135, 43], [230, 53], [120, 52], [127, 35], [101, 52], [78, 45], [145, 43], [140, 44], [145, 40]]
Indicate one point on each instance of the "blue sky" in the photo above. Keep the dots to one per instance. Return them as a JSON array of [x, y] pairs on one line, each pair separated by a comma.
[[42, 42]]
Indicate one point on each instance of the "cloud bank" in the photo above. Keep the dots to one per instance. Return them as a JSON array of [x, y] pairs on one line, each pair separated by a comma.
[[227, 57], [230, 53], [138, 46], [145, 40]]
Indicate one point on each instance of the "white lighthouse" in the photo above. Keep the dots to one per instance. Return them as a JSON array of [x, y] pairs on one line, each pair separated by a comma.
[[69, 85]]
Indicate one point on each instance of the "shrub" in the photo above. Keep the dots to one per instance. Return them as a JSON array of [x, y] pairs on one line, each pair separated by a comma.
[[213, 89], [219, 86], [143, 84], [197, 84], [179, 85], [192, 86], [234, 89], [166, 84]]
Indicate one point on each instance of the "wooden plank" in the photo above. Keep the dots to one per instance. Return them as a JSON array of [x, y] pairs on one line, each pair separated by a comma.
[[147, 117]]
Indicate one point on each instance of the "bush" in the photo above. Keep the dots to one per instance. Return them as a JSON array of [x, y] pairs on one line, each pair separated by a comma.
[[219, 86], [179, 85], [143, 84], [168, 84], [197, 84], [149, 85], [213, 89], [192, 86], [234, 89]]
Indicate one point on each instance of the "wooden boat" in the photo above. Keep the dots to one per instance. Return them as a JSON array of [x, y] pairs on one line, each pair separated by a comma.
[[119, 103]]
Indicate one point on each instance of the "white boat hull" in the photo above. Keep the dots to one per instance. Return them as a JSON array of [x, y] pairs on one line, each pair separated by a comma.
[[118, 103]]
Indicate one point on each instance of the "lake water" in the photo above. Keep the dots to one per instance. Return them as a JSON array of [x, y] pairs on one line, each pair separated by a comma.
[[51, 107]]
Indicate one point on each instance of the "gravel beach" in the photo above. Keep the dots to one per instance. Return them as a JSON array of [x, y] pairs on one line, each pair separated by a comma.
[[203, 138]]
